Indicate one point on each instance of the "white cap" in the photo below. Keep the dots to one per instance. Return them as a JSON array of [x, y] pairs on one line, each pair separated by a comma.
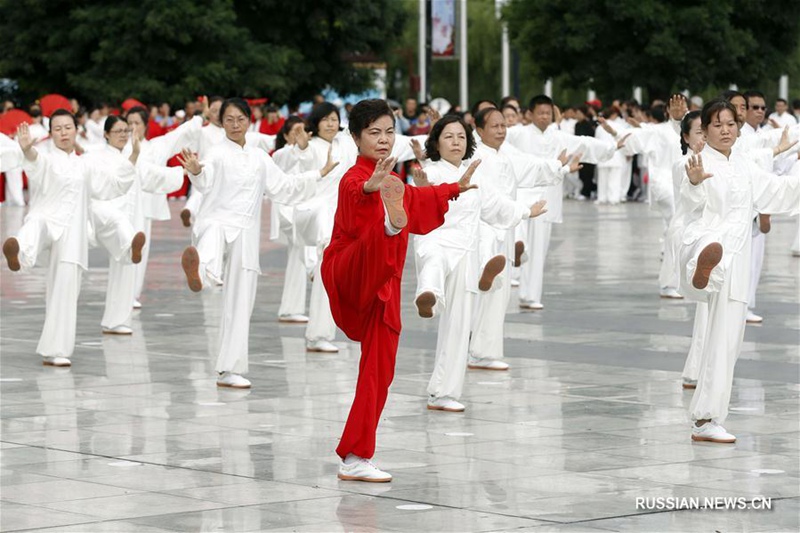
[[697, 100]]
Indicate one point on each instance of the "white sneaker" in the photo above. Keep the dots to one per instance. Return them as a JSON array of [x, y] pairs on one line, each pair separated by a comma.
[[526, 304], [362, 470], [321, 346], [56, 361], [486, 364], [445, 404], [234, 381], [712, 432], [137, 304], [515, 283], [671, 293], [689, 383], [118, 330], [753, 318], [293, 319]]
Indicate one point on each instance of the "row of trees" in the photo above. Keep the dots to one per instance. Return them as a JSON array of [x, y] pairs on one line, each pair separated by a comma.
[[290, 49]]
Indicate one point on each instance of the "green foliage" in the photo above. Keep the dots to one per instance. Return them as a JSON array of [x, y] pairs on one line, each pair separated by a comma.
[[174, 50], [612, 45]]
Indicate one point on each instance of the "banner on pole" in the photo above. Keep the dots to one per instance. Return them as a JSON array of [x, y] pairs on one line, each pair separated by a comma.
[[443, 29]]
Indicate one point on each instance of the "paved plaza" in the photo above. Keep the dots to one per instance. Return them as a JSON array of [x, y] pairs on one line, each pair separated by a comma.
[[136, 437]]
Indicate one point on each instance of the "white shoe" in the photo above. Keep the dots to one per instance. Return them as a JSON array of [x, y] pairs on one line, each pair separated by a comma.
[[536, 306], [362, 470], [670, 293], [486, 364], [321, 346], [234, 381], [689, 383], [712, 432], [137, 304], [56, 361], [445, 404], [515, 283], [293, 319], [118, 330], [753, 318]]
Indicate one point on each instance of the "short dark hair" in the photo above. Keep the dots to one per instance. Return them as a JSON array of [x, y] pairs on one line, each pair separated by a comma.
[[504, 102], [753, 94], [731, 94], [215, 98], [476, 105], [686, 127], [432, 143], [320, 111], [659, 113], [238, 103], [781, 100], [280, 139], [62, 113], [540, 99], [143, 114], [796, 103], [714, 108], [483, 115], [366, 112], [111, 120]]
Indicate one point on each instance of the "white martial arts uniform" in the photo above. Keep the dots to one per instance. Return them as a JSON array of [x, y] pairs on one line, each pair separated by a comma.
[[313, 220], [116, 221], [536, 232], [611, 173], [234, 181], [503, 171], [727, 202], [447, 264], [158, 151], [301, 259], [61, 187], [661, 144], [14, 182]]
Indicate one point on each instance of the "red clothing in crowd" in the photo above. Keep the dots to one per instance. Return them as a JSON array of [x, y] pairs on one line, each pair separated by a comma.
[[271, 129], [361, 271]]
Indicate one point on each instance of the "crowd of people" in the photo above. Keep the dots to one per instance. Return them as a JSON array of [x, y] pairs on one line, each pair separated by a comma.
[[347, 192]]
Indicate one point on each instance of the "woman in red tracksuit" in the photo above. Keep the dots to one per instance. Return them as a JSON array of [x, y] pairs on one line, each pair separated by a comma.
[[362, 270]]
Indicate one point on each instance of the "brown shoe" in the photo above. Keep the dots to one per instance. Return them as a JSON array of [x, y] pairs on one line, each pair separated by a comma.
[[136, 247], [186, 217], [190, 261], [425, 303], [708, 259], [493, 267], [392, 192], [764, 223], [11, 251], [519, 249]]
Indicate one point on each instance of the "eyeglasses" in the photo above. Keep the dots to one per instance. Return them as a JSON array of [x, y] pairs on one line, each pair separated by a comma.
[[119, 132], [759, 107]]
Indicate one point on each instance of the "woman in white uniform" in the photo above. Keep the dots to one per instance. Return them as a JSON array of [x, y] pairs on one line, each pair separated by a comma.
[[62, 184], [727, 186], [233, 178]]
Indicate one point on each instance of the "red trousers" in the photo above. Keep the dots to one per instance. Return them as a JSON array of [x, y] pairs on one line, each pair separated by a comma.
[[357, 274]]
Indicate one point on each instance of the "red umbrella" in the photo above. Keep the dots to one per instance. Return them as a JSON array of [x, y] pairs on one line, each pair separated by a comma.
[[11, 119], [51, 102], [130, 103]]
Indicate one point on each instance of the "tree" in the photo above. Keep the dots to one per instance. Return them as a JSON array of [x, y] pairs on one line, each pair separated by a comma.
[[663, 46], [155, 50]]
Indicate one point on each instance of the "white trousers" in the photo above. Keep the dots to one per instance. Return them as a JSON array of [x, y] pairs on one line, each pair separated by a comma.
[[756, 264], [668, 275], [691, 370], [14, 194], [321, 325], [141, 268], [531, 279], [796, 244], [608, 185], [194, 201], [114, 232], [63, 286], [295, 281], [489, 318], [452, 341], [723, 342], [625, 179], [238, 297]]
